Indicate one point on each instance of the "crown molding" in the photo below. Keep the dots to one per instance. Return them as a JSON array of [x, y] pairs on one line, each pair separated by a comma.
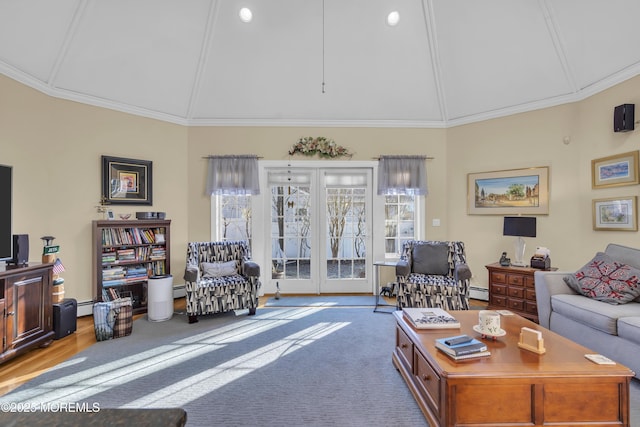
[[582, 94]]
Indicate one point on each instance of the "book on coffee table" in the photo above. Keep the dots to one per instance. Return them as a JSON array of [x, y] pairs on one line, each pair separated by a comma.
[[430, 318], [477, 355], [471, 346]]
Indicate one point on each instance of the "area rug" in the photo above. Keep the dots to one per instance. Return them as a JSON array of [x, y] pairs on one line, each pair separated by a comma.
[[311, 366], [324, 301]]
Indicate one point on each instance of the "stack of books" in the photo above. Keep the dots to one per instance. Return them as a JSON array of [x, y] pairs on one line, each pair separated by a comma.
[[113, 276], [461, 347], [126, 254], [430, 318], [136, 274]]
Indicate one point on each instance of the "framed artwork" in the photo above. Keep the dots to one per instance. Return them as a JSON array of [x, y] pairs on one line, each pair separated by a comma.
[[615, 214], [126, 181], [509, 192], [621, 169]]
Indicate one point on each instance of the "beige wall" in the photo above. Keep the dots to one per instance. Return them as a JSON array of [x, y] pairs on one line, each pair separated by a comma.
[[55, 147], [536, 139]]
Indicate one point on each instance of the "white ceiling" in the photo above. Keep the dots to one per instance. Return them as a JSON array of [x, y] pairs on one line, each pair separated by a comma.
[[447, 62]]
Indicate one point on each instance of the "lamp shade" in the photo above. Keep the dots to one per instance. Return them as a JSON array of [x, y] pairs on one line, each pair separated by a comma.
[[522, 226]]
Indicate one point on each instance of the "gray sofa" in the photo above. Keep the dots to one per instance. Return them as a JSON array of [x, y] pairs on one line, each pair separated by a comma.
[[608, 329]]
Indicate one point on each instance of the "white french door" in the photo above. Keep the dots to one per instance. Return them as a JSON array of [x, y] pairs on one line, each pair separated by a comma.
[[345, 236], [320, 229]]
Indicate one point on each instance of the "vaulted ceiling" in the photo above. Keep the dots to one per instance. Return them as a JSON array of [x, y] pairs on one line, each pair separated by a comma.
[[320, 62]]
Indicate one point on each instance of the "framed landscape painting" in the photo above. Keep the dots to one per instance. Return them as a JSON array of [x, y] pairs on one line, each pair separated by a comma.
[[621, 169], [615, 214], [509, 192]]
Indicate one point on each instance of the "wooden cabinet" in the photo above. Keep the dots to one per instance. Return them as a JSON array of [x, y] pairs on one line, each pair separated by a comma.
[[27, 310], [125, 254], [512, 288]]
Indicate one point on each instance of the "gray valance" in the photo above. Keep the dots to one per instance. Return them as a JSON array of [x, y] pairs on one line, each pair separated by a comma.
[[233, 175], [402, 175]]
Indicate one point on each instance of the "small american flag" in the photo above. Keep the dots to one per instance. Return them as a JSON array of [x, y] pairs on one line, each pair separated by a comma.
[[57, 266]]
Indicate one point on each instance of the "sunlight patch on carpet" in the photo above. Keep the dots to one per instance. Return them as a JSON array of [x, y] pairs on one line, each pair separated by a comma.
[[88, 382], [197, 386]]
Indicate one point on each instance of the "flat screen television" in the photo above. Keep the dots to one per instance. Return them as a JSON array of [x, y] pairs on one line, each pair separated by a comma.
[[6, 238]]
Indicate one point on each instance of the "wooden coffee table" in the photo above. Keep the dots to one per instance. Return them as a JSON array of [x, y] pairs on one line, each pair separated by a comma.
[[513, 386]]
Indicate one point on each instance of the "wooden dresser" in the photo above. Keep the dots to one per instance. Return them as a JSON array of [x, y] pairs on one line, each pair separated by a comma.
[[512, 288]]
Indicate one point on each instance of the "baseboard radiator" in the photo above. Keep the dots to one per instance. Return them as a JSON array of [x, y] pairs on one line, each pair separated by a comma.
[[481, 294], [85, 308]]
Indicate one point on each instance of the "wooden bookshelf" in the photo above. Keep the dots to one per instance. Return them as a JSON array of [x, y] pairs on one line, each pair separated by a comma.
[[125, 254]]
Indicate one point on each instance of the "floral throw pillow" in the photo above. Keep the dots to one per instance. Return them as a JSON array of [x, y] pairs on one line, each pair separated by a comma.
[[606, 280]]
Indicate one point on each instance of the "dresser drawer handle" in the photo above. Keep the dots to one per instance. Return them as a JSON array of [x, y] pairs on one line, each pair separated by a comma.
[[403, 345], [426, 377]]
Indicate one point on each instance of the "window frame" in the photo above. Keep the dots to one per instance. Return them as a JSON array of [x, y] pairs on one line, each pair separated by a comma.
[[418, 220], [217, 206]]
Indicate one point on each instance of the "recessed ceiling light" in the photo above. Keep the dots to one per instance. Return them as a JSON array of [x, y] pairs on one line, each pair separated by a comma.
[[393, 18], [246, 15]]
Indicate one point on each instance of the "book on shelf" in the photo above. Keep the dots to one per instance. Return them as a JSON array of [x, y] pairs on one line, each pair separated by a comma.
[[126, 255], [430, 318], [113, 293], [113, 273], [470, 346], [127, 236]]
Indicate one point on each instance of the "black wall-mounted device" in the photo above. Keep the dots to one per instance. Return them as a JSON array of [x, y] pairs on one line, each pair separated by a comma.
[[623, 118]]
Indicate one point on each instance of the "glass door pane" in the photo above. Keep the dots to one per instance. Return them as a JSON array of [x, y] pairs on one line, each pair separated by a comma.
[[347, 218], [291, 232]]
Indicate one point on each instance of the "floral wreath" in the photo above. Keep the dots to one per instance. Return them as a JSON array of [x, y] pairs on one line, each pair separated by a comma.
[[323, 147]]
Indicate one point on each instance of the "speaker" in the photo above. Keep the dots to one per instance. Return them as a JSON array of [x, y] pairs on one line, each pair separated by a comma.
[[64, 318], [623, 118], [20, 249]]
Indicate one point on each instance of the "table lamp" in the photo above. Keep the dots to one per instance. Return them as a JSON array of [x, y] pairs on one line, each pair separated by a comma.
[[519, 226]]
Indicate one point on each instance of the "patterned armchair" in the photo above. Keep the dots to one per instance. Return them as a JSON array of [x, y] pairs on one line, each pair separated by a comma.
[[220, 277], [433, 274]]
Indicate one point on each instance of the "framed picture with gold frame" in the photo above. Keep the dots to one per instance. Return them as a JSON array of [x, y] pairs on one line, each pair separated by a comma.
[[612, 171], [615, 214]]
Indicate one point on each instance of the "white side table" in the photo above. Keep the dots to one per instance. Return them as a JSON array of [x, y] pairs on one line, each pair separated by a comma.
[[376, 281]]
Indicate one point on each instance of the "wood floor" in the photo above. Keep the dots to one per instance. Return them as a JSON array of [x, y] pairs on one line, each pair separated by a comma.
[[23, 368]]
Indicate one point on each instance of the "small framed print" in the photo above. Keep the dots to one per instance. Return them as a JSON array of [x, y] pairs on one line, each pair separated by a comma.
[[612, 171], [126, 181], [109, 214], [615, 214]]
